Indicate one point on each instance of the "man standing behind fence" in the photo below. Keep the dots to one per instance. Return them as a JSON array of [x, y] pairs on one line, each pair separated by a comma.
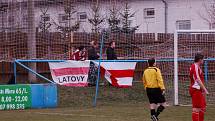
[[93, 55], [111, 55]]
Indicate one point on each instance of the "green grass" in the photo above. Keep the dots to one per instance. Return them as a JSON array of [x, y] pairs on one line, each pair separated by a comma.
[[137, 112], [114, 104]]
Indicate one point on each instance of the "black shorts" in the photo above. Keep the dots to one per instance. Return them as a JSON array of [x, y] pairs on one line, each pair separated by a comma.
[[155, 95]]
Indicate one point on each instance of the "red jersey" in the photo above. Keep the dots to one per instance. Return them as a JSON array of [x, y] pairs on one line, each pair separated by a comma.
[[195, 75], [198, 99], [78, 55]]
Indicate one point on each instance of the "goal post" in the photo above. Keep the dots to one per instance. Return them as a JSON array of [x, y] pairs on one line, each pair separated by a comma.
[[176, 68], [192, 35]]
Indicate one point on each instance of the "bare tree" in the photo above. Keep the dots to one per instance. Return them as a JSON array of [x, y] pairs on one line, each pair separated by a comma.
[[71, 24], [209, 17], [31, 38], [96, 19], [44, 24], [126, 20], [114, 19]]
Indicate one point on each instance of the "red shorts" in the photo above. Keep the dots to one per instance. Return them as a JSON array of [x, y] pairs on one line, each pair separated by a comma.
[[198, 98]]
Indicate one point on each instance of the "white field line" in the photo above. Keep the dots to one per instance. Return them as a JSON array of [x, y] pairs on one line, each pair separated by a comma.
[[79, 115]]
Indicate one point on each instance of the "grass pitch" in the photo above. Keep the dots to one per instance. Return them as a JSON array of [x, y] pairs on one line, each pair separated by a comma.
[[137, 112], [114, 104]]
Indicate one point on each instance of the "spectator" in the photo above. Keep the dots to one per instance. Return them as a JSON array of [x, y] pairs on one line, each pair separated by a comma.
[[111, 55], [79, 54], [93, 55]]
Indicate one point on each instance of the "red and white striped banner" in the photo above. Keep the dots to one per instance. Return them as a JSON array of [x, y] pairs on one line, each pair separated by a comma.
[[119, 74], [70, 73]]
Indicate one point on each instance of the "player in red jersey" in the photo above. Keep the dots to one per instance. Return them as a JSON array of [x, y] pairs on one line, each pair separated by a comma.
[[197, 89]]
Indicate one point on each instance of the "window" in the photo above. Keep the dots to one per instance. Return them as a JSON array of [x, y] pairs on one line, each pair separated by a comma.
[[63, 18], [45, 17], [183, 25], [212, 5], [149, 13], [212, 26], [82, 16], [129, 22]]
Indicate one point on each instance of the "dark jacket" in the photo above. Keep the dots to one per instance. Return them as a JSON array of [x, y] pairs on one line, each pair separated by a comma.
[[111, 55], [92, 54]]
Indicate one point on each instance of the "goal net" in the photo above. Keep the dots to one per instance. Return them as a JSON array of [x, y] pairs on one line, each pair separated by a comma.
[[187, 44]]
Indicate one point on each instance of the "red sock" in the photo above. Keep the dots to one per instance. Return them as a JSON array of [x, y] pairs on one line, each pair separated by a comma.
[[201, 115], [195, 116]]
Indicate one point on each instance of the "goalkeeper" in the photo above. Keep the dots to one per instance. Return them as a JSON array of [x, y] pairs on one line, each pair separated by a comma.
[[155, 89]]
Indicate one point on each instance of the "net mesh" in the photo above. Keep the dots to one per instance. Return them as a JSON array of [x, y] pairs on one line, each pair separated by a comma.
[[57, 32], [189, 44]]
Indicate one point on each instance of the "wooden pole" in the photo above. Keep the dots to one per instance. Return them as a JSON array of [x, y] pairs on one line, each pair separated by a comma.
[[31, 39]]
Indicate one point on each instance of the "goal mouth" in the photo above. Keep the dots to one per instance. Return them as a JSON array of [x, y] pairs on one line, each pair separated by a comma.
[[187, 43]]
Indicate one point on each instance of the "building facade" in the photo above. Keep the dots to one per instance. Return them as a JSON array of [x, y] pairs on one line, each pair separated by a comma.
[[152, 16]]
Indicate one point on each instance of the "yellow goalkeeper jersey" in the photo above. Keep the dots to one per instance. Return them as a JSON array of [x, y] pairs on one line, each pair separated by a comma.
[[152, 78]]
